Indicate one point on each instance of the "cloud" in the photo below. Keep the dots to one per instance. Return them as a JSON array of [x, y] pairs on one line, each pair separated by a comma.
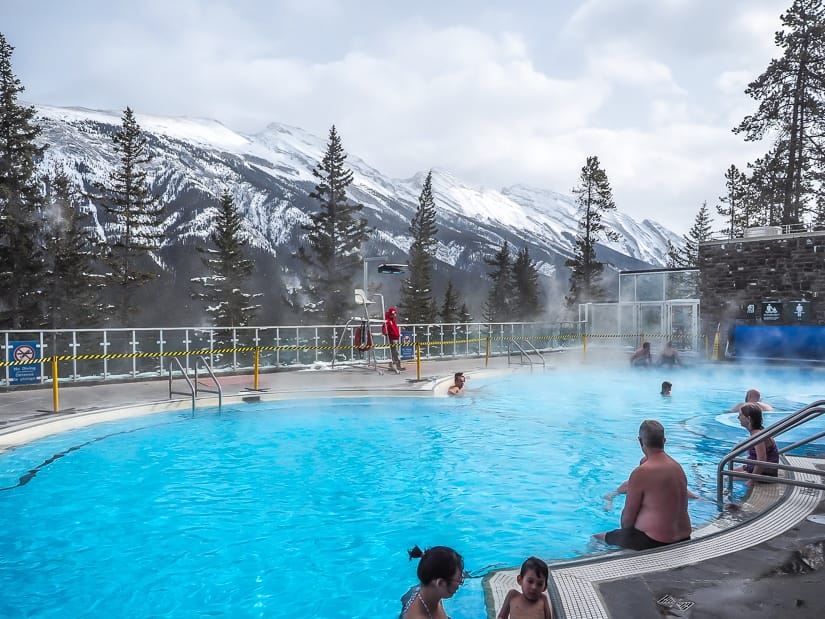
[[499, 94]]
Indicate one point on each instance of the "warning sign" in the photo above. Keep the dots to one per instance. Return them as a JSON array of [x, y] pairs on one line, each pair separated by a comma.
[[24, 374]]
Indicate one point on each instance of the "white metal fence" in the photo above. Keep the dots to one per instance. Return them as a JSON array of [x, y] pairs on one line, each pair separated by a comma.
[[112, 354]]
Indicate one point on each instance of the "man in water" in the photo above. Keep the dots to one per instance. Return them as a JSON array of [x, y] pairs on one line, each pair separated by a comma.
[[458, 384], [656, 509], [752, 397]]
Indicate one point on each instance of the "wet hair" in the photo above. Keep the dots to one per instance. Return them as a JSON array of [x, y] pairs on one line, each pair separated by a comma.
[[754, 414], [666, 387], [652, 434], [436, 562], [753, 395], [458, 375], [646, 345], [537, 565]]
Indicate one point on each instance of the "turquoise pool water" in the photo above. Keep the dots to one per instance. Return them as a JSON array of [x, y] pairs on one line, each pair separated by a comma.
[[307, 508]]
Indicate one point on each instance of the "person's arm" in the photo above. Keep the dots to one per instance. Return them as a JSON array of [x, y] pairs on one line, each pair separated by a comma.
[[548, 610], [633, 502], [504, 613], [765, 406]]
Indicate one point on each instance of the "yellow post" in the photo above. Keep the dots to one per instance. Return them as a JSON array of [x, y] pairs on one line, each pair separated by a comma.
[[715, 347], [418, 360], [55, 395], [487, 354], [257, 365], [584, 347]]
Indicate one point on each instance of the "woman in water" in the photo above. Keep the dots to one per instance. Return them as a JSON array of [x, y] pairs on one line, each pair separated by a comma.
[[441, 572], [750, 417]]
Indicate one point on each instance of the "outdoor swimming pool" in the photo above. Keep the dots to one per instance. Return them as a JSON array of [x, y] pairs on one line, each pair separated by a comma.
[[306, 508]]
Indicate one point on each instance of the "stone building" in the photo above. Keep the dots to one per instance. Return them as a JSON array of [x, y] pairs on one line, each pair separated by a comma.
[[765, 278]]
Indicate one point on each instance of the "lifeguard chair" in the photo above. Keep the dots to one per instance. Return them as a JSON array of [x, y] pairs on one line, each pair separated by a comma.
[[358, 335]]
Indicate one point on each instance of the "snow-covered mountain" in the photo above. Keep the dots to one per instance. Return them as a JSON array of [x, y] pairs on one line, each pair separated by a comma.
[[270, 175]]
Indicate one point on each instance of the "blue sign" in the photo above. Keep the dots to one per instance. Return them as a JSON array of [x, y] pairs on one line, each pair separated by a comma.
[[24, 374], [407, 344]]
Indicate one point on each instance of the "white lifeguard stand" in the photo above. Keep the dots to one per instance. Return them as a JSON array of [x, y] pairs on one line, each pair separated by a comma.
[[366, 321]]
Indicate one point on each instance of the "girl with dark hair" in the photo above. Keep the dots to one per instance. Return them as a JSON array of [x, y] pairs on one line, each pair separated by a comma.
[[441, 572], [750, 418]]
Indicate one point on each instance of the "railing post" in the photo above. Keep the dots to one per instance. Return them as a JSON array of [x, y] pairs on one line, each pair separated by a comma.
[[487, 353], [417, 360], [584, 347], [257, 359], [55, 395]]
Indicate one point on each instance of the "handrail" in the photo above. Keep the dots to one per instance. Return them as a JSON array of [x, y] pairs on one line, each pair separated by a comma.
[[192, 388], [523, 352], [803, 415], [218, 388], [536, 350]]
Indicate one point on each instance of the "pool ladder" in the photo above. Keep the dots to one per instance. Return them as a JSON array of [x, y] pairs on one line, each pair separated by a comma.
[[193, 386], [524, 354], [803, 415]]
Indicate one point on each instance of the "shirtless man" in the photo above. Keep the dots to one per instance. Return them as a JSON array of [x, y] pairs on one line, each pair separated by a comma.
[[457, 387], [655, 512], [752, 397]]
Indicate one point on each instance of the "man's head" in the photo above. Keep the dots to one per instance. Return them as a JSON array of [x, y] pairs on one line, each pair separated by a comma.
[[753, 395], [459, 379], [666, 387], [652, 434]]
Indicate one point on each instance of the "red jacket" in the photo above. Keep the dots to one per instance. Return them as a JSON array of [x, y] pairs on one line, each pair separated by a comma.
[[391, 324]]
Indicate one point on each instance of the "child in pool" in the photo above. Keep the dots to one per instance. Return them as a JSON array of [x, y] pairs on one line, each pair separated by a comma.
[[530, 602]]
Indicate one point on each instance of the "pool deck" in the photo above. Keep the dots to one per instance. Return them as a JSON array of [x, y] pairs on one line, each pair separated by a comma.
[[767, 560]]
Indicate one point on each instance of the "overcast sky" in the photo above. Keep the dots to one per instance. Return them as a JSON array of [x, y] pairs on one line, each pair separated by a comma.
[[498, 93]]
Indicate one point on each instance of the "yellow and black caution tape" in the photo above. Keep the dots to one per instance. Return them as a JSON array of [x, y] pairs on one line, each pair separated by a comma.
[[248, 349]]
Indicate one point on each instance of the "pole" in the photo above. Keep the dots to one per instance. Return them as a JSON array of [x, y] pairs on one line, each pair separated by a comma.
[[487, 354], [257, 365], [418, 360], [55, 395]]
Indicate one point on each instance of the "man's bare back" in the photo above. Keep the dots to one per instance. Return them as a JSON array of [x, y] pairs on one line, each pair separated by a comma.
[[657, 498], [655, 510]]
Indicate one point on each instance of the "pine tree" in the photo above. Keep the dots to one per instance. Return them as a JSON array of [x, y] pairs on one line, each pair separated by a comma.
[[499, 301], [688, 255], [733, 206], [449, 309], [791, 96], [21, 200], [766, 187], [334, 237], [417, 301], [224, 295], [136, 231], [594, 197], [527, 304], [73, 287], [464, 315]]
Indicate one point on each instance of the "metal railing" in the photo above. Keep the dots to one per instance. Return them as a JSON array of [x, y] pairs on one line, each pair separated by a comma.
[[118, 354], [794, 420], [194, 385], [524, 353]]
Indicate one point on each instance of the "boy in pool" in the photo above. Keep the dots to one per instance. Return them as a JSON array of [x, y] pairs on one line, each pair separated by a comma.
[[666, 387], [530, 602]]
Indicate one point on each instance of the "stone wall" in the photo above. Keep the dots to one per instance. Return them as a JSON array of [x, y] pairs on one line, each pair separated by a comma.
[[738, 273]]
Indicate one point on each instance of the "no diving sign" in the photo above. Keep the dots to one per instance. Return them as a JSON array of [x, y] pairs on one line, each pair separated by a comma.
[[24, 374]]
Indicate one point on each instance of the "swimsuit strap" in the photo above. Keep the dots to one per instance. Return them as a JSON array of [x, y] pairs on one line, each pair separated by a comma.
[[424, 604]]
